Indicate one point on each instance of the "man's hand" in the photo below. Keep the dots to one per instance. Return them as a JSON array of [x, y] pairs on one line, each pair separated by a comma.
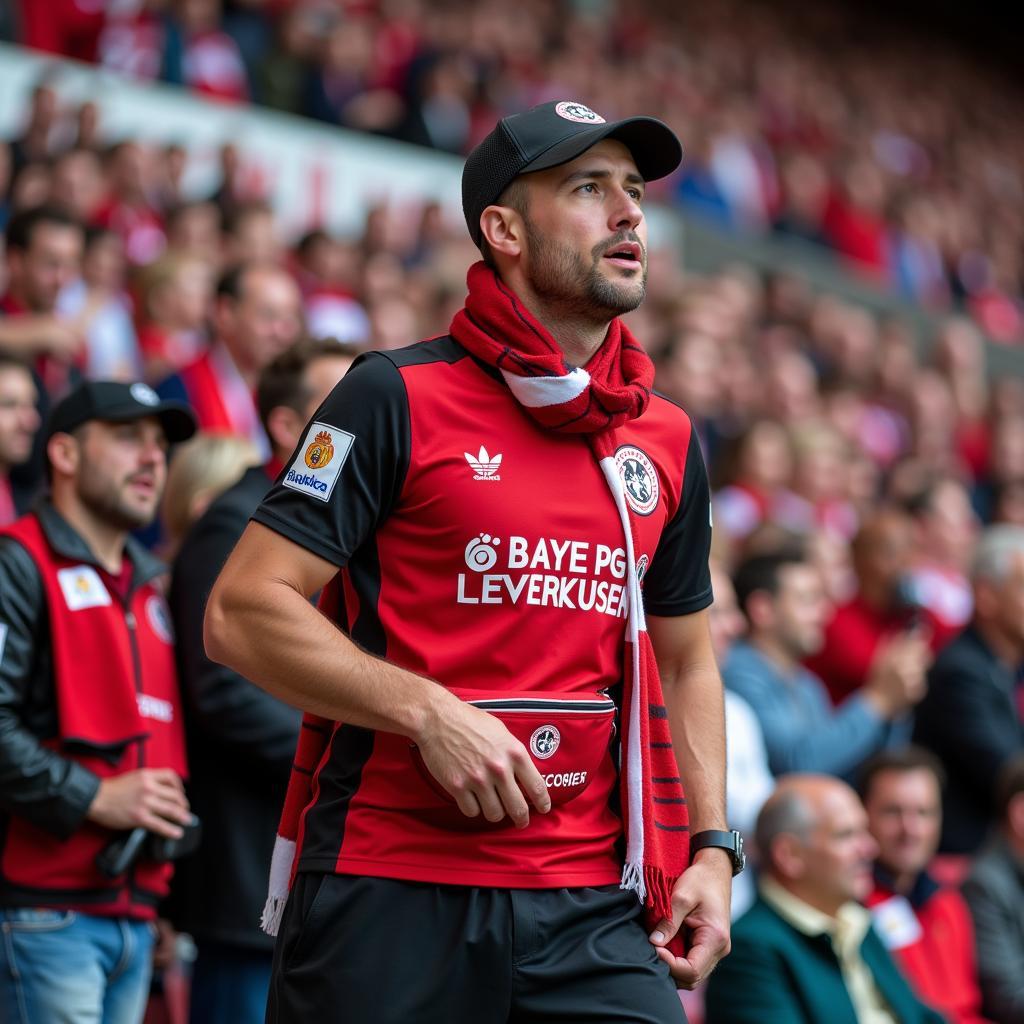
[[898, 676], [151, 797], [481, 764], [700, 904]]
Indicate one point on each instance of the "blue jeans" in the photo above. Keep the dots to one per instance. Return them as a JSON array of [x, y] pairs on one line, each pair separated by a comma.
[[230, 984], [62, 967]]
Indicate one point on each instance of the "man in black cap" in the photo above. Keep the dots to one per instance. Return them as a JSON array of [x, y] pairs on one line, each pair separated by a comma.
[[91, 744], [505, 746]]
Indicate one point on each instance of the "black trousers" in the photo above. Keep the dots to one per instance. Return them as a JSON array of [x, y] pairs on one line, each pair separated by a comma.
[[354, 950]]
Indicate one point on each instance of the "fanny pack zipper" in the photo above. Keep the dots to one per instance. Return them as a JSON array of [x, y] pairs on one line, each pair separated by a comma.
[[554, 705]]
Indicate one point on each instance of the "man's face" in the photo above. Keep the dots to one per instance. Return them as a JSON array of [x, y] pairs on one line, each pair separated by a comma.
[[904, 816], [839, 851], [885, 555], [265, 320], [51, 261], [19, 419], [122, 469], [801, 610], [585, 249]]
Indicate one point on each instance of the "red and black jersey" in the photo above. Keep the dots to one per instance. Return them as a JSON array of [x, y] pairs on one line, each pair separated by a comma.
[[480, 550]]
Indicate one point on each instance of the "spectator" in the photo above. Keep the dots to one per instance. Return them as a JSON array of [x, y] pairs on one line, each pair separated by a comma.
[[88, 693], [257, 316], [947, 531], [873, 631], [924, 925], [200, 470], [749, 781], [783, 598], [806, 951], [19, 421], [177, 299], [971, 717], [129, 210], [99, 302], [994, 891], [44, 254], [250, 234], [222, 888], [77, 184]]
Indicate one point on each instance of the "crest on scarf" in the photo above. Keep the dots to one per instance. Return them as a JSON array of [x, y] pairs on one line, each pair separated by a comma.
[[321, 451], [639, 479]]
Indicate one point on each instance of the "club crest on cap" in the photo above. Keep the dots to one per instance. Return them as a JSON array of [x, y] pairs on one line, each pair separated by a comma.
[[144, 394], [578, 112]]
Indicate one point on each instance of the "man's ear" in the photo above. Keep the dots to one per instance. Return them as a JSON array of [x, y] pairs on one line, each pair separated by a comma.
[[62, 451], [787, 856], [503, 228]]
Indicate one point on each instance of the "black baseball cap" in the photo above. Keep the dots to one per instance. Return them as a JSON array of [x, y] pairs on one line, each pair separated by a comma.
[[117, 402], [552, 134]]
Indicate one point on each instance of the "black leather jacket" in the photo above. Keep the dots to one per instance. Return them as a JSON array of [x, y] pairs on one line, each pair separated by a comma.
[[36, 783]]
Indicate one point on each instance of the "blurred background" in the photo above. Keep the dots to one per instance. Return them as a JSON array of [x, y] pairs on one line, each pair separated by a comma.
[[836, 291]]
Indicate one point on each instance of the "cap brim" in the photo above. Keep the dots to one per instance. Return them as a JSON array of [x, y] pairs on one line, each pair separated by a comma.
[[176, 418], [655, 149]]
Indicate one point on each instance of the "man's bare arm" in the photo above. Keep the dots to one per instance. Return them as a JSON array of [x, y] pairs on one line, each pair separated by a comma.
[[260, 623], [693, 696]]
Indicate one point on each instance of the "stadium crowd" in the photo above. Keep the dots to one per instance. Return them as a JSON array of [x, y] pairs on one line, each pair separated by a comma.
[[833, 125], [868, 483]]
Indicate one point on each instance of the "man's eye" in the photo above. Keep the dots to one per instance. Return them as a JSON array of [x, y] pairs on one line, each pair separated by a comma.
[[590, 186]]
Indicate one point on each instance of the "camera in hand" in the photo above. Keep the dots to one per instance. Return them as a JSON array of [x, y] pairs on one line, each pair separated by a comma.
[[140, 844]]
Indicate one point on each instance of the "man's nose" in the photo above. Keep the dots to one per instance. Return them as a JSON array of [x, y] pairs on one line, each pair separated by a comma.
[[626, 213]]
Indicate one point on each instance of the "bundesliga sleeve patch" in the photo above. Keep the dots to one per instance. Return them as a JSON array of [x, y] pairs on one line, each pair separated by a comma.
[[321, 455]]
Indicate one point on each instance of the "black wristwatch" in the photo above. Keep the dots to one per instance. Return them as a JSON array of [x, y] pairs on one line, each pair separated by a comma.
[[729, 841]]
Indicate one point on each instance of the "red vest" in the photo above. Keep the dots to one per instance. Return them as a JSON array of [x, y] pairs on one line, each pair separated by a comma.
[[933, 944], [118, 709]]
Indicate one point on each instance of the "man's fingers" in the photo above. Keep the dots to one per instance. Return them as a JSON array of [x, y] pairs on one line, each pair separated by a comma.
[[161, 826], [532, 783], [171, 810], [664, 931], [467, 803], [514, 802]]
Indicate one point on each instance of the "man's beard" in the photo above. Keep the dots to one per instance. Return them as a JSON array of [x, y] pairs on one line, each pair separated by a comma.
[[561, 277], [105, 503]]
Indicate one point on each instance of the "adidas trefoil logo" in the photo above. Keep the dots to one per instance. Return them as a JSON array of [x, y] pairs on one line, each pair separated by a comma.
[[485, 467]]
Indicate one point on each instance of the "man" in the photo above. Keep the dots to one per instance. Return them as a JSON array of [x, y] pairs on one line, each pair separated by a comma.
[[258, 315], [44, 254], [947, 529], [241, 739], [457, 864], [877, 621], [19, 421], [784, 600], [806, 952], [925, 926], [91, 744], [994, 891], [971, 718]]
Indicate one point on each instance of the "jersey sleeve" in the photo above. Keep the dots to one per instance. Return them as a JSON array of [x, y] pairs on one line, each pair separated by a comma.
[[678, 581], [348, 470]]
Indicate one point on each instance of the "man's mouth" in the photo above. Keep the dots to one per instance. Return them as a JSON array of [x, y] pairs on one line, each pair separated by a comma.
[[625, 254]]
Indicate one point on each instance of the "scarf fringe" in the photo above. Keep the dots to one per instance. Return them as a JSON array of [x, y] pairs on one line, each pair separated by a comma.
[[633, 880], [659, 892], [280, 876]]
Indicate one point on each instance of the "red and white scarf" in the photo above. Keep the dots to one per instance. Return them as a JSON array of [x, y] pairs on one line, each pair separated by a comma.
[[613, 388]]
